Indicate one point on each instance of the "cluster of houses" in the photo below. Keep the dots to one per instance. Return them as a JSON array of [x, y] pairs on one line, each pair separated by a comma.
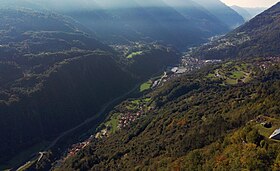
[[78, 147], [265, 64], [128, 118], [188, 64], [126, 49], [102, 133]]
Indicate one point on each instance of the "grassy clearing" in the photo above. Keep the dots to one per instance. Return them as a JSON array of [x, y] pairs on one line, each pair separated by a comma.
[[238, 74], [231, 81], [136, 102], [133, 54], [113, 123], [211, 75], [232, 74], [147, 99], [145, 86]]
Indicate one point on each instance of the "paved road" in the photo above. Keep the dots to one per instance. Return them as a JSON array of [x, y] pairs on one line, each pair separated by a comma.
[[101, 112]]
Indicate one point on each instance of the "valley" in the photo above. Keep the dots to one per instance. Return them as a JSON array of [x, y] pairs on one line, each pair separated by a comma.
[[54, 89], [141, 118], [133, 111], [138, 85]]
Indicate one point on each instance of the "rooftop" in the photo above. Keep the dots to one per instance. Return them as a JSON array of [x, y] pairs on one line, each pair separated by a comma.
[[275, 134]]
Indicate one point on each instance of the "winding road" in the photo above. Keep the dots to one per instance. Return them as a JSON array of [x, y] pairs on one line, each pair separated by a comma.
[[101, 112]]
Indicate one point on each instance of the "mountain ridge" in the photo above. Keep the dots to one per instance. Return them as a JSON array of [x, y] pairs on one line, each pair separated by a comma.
[[197, 121], [256, 38]]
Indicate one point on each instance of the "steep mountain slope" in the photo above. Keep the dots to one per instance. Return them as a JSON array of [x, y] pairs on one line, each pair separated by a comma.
[[216, 118], [123, 21], [53, 76], [257, 38], [243, 12], [188, 123], [198, 16], [149, 22], [46, 64], [222, 12]]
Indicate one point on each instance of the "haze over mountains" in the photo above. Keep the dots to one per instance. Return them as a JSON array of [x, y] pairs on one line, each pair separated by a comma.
[[247, 13], [74, 69], [117, 21], [216, 118], [257, 38], [243, 12]]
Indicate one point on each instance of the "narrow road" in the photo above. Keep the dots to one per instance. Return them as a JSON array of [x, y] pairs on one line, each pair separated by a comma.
[[101, 112]]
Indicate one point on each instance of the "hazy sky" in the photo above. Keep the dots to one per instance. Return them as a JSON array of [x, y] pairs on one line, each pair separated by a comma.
[[251, 3]]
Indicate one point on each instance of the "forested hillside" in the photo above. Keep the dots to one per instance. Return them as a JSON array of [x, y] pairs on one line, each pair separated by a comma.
[[257, 38], [200, 121], [219, 117], [54, 76], [100, 85]]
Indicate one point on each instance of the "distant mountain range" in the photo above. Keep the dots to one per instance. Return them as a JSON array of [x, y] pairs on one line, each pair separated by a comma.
[[217, 118], [243, 12], [122, 21], [223, 12], [60, 66], [255, 11], [247, 13], [159, 21], [257, 38]]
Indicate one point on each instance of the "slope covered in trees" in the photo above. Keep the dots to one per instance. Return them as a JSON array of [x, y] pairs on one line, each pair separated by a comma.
[[257, 38], [54, 76], [195, 122], [198, 121]]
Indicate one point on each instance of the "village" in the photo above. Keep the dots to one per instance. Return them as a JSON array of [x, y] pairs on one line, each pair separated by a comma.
[[267, 62], [188, 64], [132, 111], [135, 109]]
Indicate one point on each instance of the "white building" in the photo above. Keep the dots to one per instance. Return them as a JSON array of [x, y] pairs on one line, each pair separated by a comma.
[[275, 135]]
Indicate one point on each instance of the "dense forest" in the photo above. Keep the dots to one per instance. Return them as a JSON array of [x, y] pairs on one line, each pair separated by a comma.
[[257, 38], [54, 75], [104, 85], [219, 117], [196, 122]]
